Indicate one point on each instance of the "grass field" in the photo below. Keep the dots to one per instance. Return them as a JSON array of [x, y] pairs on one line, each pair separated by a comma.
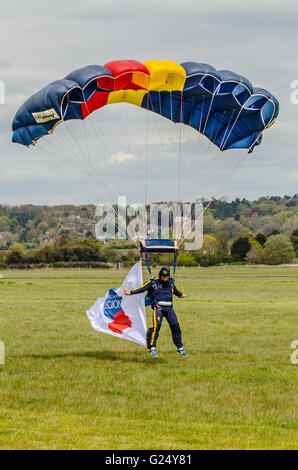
[[64, 386]]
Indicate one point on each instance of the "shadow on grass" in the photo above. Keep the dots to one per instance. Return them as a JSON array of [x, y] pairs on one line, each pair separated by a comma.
[[100, 355]]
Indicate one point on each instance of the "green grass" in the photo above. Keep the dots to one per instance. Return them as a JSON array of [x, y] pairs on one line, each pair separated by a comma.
[[64, 386]]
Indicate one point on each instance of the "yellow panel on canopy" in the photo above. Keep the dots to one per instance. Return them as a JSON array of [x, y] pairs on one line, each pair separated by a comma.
[[165, 75], [127, 96]]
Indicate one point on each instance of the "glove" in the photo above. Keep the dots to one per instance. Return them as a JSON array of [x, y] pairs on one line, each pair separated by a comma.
[[126, 292]]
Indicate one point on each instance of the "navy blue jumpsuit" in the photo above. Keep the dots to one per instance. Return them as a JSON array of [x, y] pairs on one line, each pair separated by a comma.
[[162, 294]]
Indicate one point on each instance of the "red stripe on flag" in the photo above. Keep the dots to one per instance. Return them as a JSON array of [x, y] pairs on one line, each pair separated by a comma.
[[120, 322]]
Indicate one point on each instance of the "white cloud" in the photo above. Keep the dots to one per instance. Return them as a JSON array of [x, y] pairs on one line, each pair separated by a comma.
[[121, 157]]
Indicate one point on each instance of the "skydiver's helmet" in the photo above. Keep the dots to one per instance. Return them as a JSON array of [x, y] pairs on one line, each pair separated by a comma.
[[164, 272]]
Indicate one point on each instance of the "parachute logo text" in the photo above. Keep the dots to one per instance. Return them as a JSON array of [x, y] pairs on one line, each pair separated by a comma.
[[45, 116], [113, 310]]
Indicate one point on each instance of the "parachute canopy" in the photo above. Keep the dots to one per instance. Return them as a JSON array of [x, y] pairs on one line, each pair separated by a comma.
[[219, 104]]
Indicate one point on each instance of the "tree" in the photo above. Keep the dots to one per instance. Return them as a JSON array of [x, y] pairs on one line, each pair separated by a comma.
[[33, 235], [294, 240], [254, 256], [43, 226], [278, 250], [261, 238], [186, 259], [274, 232], [240, 248], [16, 254], [209, 223], [222, 237], [210, 243]]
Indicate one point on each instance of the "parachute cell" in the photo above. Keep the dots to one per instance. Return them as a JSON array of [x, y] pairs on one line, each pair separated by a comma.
[[220, 104]]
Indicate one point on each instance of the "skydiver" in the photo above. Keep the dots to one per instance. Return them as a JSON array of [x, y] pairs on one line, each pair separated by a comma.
[[161, 291]]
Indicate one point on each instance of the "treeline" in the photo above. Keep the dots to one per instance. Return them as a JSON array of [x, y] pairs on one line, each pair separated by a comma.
[[65, 253], [241, 231], [273, 249], [33, 225]]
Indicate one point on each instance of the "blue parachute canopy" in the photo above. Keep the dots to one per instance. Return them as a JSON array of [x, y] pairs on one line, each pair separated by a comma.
[[220, 104]]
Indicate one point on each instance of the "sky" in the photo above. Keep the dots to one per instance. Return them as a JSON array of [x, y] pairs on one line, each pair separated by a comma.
[[42, 42]]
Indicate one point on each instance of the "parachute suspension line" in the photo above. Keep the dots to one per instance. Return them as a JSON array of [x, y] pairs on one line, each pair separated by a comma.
[[51, 154], [78, 167], [92, 167], [205, 126], [89, 161], [120, 127], [189, 144], [198, 144], [197, 147], [208, 157], [158, 123], [125, 144], [79, 146], [81, 169], [146, 154], [98, 139], [175, 264], [100, 130], [84, 152], [95, 172], [197, 141], [56, 153], [94, 175], [180, 147], [214, 197], [211, 157], [160, 128], [254, 142], [116, 210], [179, 166], [125, 127], [68, 152], [146, 262]]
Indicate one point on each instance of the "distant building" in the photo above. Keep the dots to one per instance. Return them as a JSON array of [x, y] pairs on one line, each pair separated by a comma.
[[46, 240]]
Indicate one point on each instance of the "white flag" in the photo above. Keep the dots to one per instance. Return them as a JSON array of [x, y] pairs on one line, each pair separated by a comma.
[[122, 315]]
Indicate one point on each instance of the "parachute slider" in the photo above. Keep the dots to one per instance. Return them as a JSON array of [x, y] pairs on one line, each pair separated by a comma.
[[158, 246]]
